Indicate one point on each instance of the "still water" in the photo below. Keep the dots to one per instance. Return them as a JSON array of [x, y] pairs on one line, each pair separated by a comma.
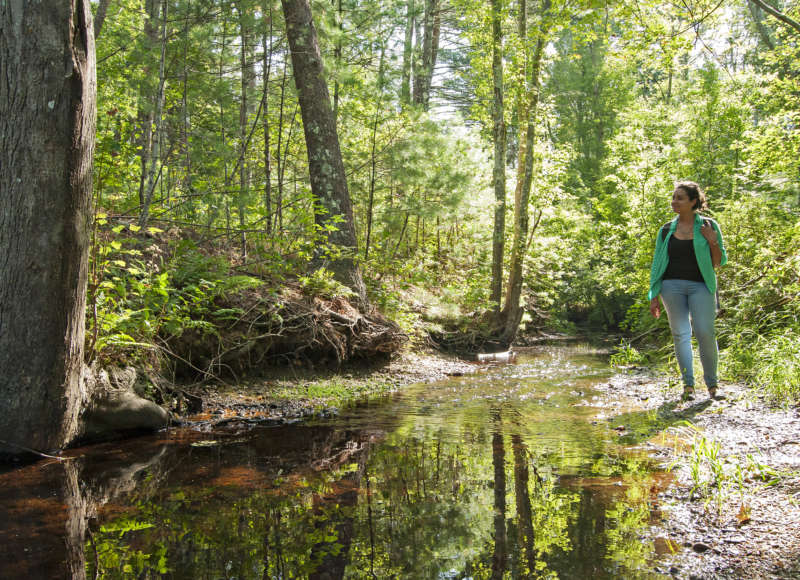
[[506, 474]]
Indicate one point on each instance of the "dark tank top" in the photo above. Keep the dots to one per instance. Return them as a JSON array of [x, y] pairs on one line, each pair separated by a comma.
[[682, 261]]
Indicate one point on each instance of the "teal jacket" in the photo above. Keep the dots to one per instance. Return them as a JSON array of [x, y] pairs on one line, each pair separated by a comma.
[[701, 251]]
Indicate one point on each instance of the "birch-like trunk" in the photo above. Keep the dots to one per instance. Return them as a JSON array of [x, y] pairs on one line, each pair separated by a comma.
[[511, 315], [499, 138]]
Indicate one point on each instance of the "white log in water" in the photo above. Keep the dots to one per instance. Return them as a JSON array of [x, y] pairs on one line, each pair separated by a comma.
[[507, 356]]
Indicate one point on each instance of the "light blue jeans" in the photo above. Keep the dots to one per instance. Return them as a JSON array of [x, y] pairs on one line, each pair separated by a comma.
[[691, 307]]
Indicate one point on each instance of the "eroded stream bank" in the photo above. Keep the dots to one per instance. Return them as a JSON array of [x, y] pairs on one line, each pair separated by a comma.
[[551, 466]]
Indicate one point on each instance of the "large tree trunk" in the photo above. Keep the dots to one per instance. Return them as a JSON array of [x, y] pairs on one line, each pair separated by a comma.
[[326, 169], [47, 123], [499, 138]]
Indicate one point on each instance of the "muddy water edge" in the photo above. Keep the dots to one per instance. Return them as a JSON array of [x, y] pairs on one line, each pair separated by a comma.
[[549, 467]]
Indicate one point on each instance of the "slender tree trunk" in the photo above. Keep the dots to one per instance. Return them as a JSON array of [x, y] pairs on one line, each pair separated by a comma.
[[782, 17], [100, 17], [337, 57], [47, 123], [758, 21], [499, 138], [188, 187], [525, 532], [146, 108], [245, 112], [267, 68], [326, 168], [499, 464], [430, 47], [278, 159], [373, 155], [511, 315], [408, 54], [155, 151]]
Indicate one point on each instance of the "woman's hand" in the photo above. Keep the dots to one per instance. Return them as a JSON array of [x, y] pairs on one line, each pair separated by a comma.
[[711, 236], [709, 233], [655, 307]]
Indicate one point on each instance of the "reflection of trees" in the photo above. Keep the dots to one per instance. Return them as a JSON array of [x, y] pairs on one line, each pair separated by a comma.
[[245, 511], [499, 463], [430, 500], [525, 538], [430, 509]]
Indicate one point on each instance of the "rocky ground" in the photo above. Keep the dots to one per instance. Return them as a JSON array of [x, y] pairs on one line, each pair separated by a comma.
[[734, 508]]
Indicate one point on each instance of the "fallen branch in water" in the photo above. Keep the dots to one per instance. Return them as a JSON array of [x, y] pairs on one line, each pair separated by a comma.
[[34, 451]]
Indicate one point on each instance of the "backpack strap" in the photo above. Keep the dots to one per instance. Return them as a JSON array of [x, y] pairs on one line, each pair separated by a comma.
[[665, 230]]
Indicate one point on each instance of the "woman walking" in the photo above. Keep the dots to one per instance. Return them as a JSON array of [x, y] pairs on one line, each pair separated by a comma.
[[687, 250]]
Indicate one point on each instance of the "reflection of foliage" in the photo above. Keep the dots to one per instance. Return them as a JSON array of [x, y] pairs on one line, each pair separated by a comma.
[[216, 533], [627, 520], [432, 509], [418, 505]]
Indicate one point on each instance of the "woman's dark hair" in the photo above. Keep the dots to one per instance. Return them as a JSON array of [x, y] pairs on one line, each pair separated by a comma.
[[694, 193]]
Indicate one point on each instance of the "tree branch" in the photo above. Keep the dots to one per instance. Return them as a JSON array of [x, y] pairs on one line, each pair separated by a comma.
[[779, 15]]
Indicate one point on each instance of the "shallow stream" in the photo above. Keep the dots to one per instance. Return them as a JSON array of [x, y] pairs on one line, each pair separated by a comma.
[[508, 473]]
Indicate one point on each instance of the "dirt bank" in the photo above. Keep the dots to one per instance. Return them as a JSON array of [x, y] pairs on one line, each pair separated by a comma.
[[286, 394]]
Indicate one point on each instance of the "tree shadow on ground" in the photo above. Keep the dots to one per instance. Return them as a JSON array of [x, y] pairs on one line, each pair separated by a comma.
[[643, 425]]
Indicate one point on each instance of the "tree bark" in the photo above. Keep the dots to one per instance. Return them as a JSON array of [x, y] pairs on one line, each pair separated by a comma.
[[47, 127], [150, 173], [499, 138], [267, 69], [511, 315], [423, 74], [326, 168], [246, 110], [408, 49], [100, 17]]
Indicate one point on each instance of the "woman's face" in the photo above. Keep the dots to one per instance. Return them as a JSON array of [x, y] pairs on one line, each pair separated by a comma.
[[681, 202]]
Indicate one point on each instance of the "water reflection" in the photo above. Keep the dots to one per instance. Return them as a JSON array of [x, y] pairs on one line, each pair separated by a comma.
[[496, 476]]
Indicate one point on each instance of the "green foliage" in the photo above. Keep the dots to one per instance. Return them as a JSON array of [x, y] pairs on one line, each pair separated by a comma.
[[631, 101], [626, 355], [321, 283], [137, 300], [718, 477]]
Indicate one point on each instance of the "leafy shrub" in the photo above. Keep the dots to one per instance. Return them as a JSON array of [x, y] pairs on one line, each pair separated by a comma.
[[135, 300], [321, 283]]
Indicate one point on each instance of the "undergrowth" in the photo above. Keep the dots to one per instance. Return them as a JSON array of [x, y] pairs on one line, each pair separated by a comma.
[[718, 479]]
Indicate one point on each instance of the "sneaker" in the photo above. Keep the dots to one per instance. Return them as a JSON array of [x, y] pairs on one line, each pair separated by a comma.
[[688, 394], [714, 393]]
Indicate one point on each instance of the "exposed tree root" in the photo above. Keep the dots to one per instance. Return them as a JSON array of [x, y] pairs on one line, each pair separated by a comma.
[[470, 336], [290, 328]]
